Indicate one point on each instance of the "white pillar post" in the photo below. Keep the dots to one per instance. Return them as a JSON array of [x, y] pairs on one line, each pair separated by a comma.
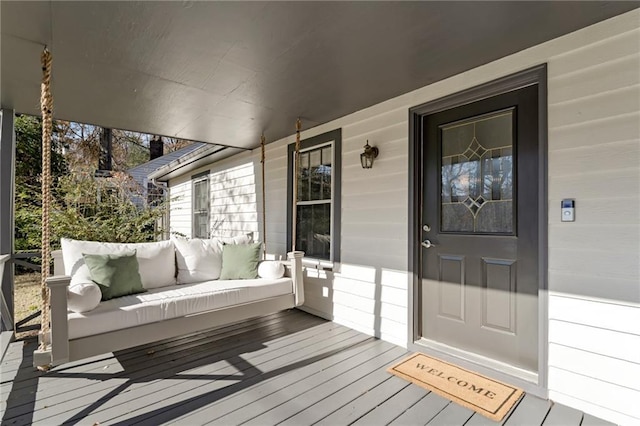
[[7, 181]]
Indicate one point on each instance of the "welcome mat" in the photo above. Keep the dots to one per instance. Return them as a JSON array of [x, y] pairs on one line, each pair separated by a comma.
[[486, 396]]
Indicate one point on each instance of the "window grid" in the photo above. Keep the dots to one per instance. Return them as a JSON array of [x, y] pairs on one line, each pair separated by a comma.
[[314, 203], [318, 198], [201, 206]]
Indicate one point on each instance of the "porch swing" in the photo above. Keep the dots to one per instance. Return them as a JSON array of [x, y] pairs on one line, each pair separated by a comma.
[[68, 333]]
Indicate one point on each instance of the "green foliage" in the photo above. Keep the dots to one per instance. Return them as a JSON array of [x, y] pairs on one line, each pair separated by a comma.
[[103, 210], [28, 191], [28, 218], [83, 207], [29, 151]]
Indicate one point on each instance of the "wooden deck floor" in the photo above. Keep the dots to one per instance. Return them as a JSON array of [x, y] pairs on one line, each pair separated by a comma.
[[289, 368]]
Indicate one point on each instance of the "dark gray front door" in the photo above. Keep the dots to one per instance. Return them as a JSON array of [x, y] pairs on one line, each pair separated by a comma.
[[479, 273]]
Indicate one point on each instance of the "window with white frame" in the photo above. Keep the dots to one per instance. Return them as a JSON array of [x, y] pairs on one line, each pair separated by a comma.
[[318, 201], [200, 206]]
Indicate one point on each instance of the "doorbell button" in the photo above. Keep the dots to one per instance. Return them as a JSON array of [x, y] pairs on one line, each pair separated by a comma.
[[567, 207]]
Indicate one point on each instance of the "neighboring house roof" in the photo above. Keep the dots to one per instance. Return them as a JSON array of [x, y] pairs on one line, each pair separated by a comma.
[[204, 155], [141, 173]]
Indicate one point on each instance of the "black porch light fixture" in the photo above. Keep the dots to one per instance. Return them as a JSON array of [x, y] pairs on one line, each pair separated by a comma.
[[366, 158]]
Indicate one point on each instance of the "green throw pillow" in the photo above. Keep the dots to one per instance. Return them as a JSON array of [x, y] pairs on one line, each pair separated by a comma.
[[116, 275], [240, 261]]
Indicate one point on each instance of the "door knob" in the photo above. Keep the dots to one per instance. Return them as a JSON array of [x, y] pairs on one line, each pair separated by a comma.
[[426, 228], [427, 244]]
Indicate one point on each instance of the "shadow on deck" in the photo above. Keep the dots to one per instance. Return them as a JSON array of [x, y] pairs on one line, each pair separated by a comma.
[[290, 368]]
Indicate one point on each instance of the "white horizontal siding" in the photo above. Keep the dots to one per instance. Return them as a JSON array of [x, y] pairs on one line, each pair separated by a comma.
[[233, 194], [603, 286], [594, 313], [603, 399], [594, 356], [180, 207], [608, 343], [602, 368], [374, 228], [594, 262], [276, 199], [593, 156]]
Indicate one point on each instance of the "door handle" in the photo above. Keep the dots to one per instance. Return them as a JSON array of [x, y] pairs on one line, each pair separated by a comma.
[[427, 244]]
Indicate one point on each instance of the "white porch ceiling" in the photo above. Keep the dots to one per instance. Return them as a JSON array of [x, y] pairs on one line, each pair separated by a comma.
[[224, 72]]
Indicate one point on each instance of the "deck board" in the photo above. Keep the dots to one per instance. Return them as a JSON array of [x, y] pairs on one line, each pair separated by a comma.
[[561, 415], [531, 410], [242, 406], [366, 402], [392, 408], [452, 414], [315, 404], [589, 420], [288, 368], [170, 401], [422, 412], [189, 376], [84, 390]]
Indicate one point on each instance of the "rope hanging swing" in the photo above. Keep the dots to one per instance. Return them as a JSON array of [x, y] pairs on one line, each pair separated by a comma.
[[46, 108], [264, 201], [296, 169]]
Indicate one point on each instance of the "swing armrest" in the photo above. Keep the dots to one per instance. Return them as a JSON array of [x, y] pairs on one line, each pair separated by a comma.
[[295, 258], [58, 263], [59, 339]]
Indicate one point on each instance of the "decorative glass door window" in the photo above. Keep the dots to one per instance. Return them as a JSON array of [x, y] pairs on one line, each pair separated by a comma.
[[477, 174]]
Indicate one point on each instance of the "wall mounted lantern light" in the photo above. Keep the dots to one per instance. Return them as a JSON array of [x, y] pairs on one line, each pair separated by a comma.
[[366, 158]]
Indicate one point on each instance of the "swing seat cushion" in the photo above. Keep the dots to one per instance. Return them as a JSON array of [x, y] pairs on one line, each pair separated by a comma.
[[172, 302]]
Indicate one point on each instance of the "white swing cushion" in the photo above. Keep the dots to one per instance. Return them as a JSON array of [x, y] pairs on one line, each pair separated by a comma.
[[173, 302], [271, 269], [156, 260], [83, 297]]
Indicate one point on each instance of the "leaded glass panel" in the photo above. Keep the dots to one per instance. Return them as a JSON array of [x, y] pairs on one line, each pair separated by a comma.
[[477, 174]]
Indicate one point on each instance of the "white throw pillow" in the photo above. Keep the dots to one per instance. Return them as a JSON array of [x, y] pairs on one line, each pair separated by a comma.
[[83, 297], [198, 259], [156, 260], [271, 269]]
